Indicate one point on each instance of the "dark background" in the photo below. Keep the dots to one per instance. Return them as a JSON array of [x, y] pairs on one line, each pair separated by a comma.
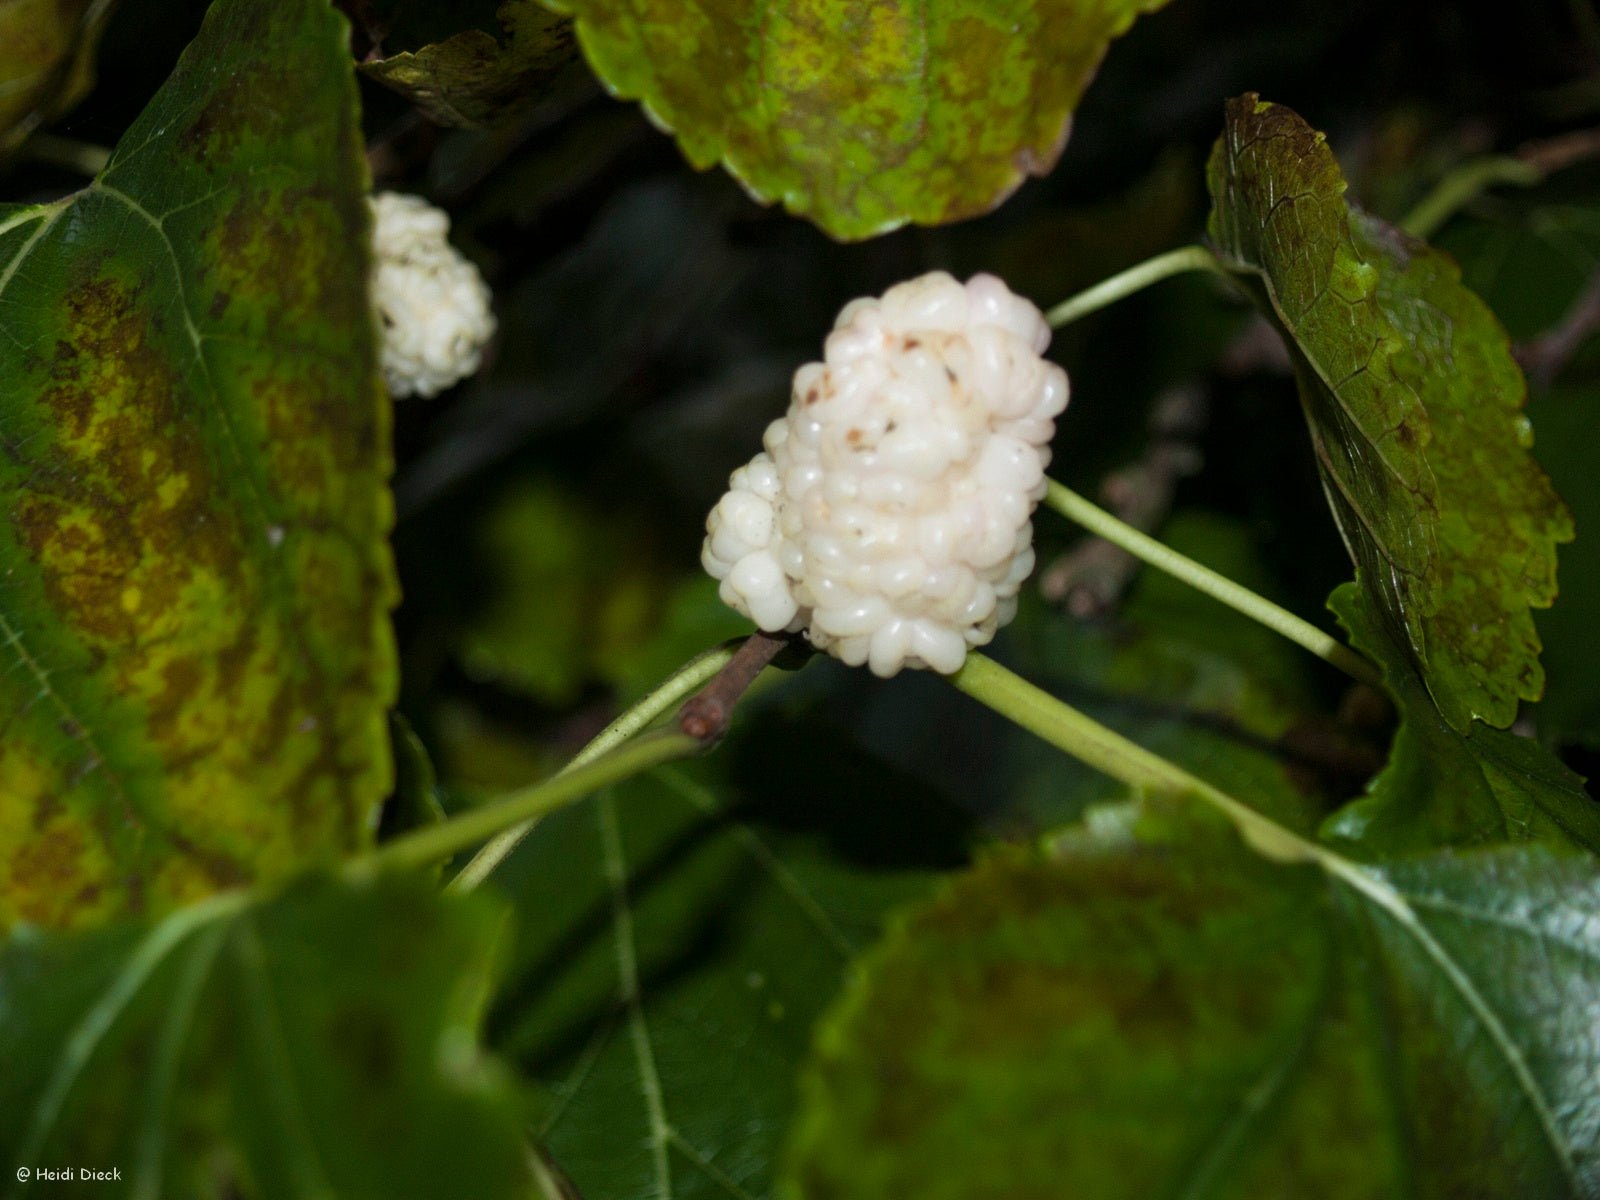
[[550, 511]]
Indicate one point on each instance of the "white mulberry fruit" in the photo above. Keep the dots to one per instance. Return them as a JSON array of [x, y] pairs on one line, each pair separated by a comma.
[[433, 304], [890, 514]]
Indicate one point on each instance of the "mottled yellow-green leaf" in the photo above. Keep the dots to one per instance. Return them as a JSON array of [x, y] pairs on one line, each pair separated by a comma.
[[474, 78], [195, 658], [1415, 406], [1148, 1008], [46, 60], [860, 117]]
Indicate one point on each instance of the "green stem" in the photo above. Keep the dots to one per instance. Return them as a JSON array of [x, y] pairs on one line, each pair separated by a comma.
[[1134, 279], [683, 683], [427, 846], [1203, 579], [1079, 735], [1462, 186]]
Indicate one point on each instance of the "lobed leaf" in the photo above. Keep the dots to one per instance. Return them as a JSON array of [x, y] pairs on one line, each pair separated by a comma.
[[1147, 1008], [320, 1043], [195, 657], [1415, 408], [1445, 787], [860, 117], [1531, 256]]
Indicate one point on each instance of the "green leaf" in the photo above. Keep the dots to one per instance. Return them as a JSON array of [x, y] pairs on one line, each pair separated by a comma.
[[860, 117], [46, 60], [692, 617], [474, 78], [1191, 680], [1415, 407], [416, 803], [1530, 255], [678, 938], [320, 1043], [1444, 787], [1147, 1008], [195, 656], [570, 593]]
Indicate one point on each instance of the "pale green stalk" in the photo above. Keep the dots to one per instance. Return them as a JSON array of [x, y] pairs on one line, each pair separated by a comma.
[[435, 843], [1079, 735], [1462, 186], [1136, 278], [1203, 579], [682, 684]]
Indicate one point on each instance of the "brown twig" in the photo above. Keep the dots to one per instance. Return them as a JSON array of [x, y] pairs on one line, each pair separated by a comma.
[[705, 715], [1552, 154], [1092, 577], [1545, 356]]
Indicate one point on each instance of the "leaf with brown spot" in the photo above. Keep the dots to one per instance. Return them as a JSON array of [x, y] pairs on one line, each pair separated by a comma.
[[1415, 406], [860, 117], [195, 658], [46, 60]]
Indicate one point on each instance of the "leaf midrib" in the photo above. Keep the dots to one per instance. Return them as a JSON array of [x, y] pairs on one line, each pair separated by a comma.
[[147, 957], [1382, 895], [1275, 842]]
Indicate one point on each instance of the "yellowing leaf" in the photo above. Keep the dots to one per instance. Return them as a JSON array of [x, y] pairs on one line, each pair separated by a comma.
[[861, 117], [1444, 787], [195, 657]]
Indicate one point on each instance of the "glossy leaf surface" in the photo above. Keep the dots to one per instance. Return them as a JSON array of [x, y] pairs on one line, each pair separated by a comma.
[[1149, 1008]]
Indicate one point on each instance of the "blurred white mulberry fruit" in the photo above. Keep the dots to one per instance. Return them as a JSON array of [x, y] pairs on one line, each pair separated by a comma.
[[890, 514], [432, 302]]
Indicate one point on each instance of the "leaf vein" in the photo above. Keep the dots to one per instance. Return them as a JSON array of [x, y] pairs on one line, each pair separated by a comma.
[[86, 1037], [628, 978], [809, 906], [1396, 904], [280, 1085]]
